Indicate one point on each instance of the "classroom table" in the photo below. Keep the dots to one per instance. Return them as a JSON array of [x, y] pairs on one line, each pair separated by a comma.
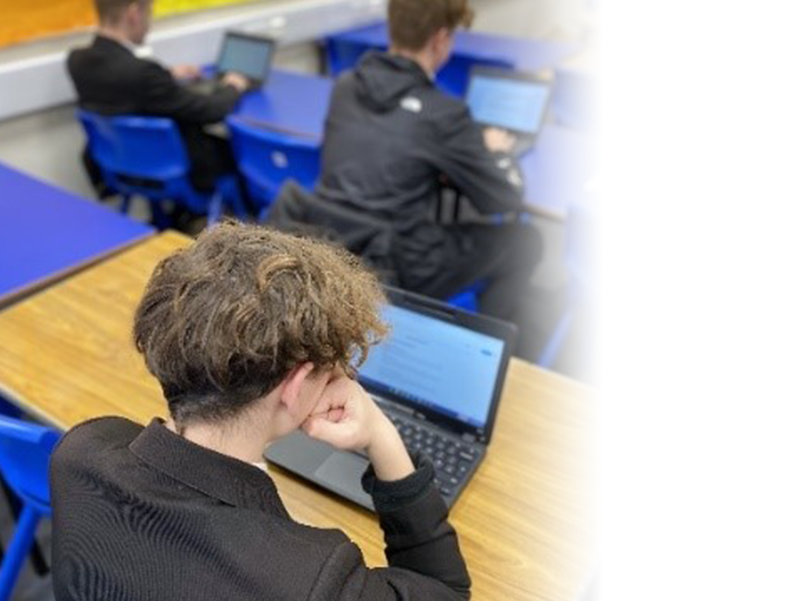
[[519, 53], [292, 103], [554, 172], [47, 233], [523, 522], [557, 170]]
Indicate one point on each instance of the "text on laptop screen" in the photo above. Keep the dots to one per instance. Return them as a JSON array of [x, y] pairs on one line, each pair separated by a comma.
[[508, 103], [246, 56], [435, 364]]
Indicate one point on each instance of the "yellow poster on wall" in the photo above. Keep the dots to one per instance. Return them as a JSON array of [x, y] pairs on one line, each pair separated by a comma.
[[25, 20]]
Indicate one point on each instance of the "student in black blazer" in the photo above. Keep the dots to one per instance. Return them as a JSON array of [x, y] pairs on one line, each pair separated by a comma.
[[110, 79], [251, 334]]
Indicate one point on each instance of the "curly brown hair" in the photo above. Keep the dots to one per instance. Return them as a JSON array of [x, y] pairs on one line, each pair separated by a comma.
[[224, 321], [413, 22]]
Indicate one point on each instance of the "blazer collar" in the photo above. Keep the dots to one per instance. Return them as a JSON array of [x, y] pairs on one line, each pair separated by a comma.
[[107, 43], [227, 479]]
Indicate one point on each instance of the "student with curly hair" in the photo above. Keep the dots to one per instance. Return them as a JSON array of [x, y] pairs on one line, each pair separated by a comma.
[[252, 334]]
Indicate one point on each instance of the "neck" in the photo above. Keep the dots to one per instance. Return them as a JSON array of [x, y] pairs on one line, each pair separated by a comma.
[[422, 58], [244, 438], [115, 33]]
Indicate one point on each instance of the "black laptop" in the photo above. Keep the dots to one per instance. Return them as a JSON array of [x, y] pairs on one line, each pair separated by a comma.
[[247, 54], [438, 377], [510, 100]]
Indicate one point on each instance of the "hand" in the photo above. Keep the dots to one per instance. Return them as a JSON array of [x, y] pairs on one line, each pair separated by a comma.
[[236, 80], [345, 415], [348, 418], [498, 140], [185, 72]]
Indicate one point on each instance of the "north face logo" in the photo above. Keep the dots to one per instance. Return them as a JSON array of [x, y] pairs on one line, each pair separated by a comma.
[[411, 104]]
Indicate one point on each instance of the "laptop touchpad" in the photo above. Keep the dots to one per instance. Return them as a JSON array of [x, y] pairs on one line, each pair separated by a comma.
[[341, 472]]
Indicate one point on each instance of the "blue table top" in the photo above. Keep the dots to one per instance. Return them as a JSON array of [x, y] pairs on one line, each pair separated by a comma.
[[557, 170], [292, 102], [523, 54], [47, 233]]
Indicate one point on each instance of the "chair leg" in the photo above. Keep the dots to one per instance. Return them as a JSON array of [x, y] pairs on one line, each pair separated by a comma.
[[126, 204], [159, 217], [18, 550], [263, 213], [37, 557], [231, 193], [215, 208]]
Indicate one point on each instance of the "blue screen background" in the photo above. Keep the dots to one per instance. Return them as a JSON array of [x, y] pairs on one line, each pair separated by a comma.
[[506, 103], [436, 364]]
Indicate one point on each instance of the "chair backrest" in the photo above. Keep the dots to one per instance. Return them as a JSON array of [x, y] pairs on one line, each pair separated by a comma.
[[149, 148], [267, 159], [25, 450], [344, 54]]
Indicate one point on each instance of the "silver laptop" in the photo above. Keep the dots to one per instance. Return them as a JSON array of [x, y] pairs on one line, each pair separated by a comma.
[[243, 53], [438, 377], [510, 100]]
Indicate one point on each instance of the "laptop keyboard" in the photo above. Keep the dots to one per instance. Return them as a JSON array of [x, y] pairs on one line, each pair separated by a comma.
[[452, 460]]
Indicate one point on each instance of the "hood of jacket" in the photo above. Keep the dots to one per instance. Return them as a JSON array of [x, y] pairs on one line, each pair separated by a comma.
[[382, 79]]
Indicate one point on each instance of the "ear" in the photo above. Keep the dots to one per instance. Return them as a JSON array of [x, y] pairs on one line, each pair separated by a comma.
[[292, 386], [441, 37]]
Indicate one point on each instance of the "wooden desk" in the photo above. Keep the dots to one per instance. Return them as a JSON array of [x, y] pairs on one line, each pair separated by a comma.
[[66, 355]]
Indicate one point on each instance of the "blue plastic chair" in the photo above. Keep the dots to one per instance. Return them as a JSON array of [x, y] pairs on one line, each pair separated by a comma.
[[25, 450], [344, 54], [267, 159], [146, 156], [467, 299]]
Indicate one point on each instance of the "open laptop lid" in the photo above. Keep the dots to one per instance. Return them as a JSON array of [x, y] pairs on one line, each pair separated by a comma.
[[507, 99], [445, 364], [250, 55]]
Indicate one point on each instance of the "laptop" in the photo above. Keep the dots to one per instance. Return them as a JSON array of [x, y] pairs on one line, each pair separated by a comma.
[[509, 100], [438, 377], [244, 53]]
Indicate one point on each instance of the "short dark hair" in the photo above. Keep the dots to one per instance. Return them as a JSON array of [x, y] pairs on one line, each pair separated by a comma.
[[224, 321], [413, 22], [109, 11]]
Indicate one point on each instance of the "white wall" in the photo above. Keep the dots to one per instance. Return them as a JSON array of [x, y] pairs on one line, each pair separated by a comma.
[[548, 19]]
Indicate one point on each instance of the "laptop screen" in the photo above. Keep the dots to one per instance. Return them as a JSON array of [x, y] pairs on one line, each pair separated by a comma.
[[436, 365], [508, 103], [249, 56]]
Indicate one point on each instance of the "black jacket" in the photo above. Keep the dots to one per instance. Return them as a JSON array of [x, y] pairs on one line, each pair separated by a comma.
[[390, 138], [143, 514], [109, 79]]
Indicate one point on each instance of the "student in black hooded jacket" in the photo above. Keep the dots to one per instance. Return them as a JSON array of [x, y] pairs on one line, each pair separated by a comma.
[[392, 138]]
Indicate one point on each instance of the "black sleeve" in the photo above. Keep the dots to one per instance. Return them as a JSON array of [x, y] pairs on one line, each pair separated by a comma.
[[491, 180], [162, 95], [422, 550]]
